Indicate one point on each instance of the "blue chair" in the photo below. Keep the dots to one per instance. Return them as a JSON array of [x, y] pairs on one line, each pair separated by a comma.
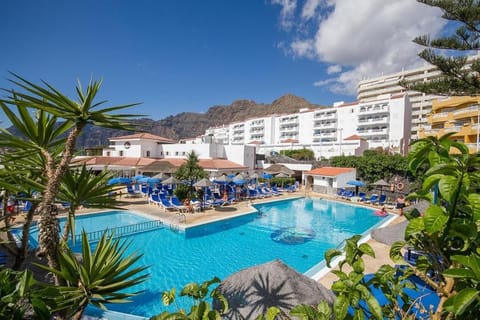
[[27, 206], [373, 198], [381, 201], [3, 259], [154, 198], [167, 205]]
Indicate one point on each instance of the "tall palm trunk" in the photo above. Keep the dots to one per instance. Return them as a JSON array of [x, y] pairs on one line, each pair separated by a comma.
[[23, 250], [48, 227]]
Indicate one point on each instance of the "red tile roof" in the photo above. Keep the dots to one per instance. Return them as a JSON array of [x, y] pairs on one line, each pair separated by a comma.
[[329, 171], [354, 137], [289, 141], [143, 135], [212, 164]]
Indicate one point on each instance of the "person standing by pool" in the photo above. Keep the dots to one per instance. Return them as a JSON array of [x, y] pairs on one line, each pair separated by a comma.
[[400, 203]]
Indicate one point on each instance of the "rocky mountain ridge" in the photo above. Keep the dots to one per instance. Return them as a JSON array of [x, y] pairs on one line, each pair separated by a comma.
[[191, 124]]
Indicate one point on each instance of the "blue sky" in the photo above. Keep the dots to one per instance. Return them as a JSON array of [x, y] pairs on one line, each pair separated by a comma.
[[186, 55]]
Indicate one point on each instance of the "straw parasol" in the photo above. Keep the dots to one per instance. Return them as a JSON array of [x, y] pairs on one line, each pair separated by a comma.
[[277, 168], [160, 166], [172, 180], [390, 234], [250, 292], [381, 184]]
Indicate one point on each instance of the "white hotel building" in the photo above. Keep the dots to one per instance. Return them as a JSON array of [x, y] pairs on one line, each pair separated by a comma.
[[369, 89], [345, 128]]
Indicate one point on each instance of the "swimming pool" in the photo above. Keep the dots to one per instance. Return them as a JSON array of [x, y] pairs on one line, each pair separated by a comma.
[[296, 231]]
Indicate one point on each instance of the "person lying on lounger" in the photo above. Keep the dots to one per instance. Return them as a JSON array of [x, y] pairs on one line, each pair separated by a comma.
[[188, 205]]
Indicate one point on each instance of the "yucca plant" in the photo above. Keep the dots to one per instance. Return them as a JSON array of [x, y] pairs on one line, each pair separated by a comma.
[[101, 277], [82, 187], [76, 115]]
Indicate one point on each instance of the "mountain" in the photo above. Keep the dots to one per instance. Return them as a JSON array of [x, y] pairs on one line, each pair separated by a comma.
[[190, 124]]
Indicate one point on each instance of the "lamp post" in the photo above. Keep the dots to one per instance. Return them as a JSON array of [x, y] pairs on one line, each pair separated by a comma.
[[478, 126], [340, 140]]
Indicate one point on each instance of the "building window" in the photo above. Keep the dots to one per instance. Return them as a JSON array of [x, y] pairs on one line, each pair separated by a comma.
[[121, 153], [148, 154], [176, 153], [108, 153], [161, 153], [166, 153], [183, 153]]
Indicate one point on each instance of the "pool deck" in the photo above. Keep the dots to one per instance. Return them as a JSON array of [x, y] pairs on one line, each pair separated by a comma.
[[141, 206]]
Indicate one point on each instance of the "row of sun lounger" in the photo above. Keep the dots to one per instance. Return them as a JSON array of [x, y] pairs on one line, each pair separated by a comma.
[[362, 197]]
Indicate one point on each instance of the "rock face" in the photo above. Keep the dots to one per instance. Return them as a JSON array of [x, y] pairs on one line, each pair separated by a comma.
[[190, 124]]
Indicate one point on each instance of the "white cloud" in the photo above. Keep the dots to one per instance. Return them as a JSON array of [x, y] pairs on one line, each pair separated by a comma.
[[287, 13], [303, 48], [364, 38], [334, 69], [309, 9]]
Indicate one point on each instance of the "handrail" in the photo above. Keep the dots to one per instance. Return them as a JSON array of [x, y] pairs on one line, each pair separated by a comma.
[[121, 231]]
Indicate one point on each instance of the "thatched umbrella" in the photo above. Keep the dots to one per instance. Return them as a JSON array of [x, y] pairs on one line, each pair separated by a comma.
[[250, 292], [277, 168], [162, 176], [160, 166], [390, 234], [172, 180], [381, 184]]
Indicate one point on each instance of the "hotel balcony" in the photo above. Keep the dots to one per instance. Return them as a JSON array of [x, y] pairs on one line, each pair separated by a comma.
[[372, 132], [289, 120], [289, 128], [326, 115], [363, 121], [375, 109], [469, 112], [325, 125], [257, 129], [256, 137]]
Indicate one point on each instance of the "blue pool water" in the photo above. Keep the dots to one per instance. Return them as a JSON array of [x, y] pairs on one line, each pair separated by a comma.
[[296, 231]]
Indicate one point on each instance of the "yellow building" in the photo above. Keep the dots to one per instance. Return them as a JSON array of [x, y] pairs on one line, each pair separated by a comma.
[[455, 114]]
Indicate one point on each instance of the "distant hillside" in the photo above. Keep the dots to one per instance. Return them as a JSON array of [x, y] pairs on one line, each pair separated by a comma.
[[190, 124]]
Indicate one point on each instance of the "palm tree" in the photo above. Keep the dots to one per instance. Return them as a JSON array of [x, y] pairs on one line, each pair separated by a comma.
[[81, 187], [191, 171], [77, 113]]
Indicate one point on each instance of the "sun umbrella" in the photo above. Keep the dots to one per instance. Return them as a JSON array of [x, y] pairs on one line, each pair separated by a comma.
[[222, 180], [138, 177], [172, 180], [254, 176], [357, 184], [381, 183], [390, 234], [266, 175], [239, 176], [277, 168], [250, 292], [240, 182], [161, 176], [282, 175], [203, 183], [149, 180], [119, 180]]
